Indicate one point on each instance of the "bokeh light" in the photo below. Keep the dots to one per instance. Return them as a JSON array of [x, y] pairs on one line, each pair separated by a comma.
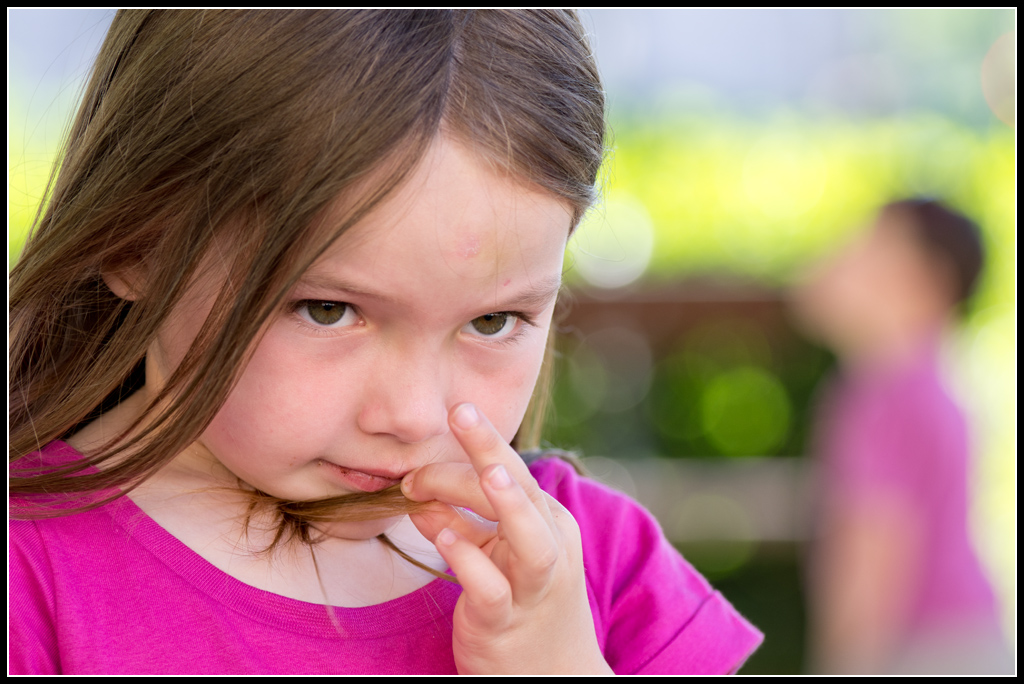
[[745, 411], [999, 78], [613, 246]]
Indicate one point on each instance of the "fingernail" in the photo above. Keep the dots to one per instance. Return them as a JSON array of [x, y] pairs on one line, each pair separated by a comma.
[[445, 537], [466, 416], [499, 478]]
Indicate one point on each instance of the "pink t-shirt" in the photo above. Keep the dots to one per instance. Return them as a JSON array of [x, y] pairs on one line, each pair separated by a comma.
[[109, 591], [897, 431]]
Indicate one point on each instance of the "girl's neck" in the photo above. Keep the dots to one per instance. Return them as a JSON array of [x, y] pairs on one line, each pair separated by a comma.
[[346, 572]]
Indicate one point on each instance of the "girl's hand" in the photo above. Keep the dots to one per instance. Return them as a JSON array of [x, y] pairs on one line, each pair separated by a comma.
[[524, 607]]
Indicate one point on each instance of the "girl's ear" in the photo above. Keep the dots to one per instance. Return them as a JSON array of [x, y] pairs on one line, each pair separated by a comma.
[[126, 283]]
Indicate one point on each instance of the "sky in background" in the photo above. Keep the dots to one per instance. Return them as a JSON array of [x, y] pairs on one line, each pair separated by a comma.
[[867, 62]]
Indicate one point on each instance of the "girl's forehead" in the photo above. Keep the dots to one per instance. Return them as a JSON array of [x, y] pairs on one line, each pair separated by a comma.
[[455, 218]]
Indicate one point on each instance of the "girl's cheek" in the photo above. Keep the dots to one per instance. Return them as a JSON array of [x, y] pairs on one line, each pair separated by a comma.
[[505, 395]]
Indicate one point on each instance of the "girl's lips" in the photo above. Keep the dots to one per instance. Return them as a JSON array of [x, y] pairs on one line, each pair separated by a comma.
[[358, 479]]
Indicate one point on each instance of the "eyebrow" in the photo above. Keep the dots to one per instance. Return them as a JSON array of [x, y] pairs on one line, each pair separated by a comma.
[[341, 286], [535, 296]]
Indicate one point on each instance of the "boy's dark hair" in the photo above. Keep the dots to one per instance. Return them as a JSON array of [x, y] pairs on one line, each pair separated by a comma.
[[947, 236]]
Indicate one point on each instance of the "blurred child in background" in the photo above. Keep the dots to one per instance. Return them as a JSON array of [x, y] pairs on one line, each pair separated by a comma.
[[895, 585]]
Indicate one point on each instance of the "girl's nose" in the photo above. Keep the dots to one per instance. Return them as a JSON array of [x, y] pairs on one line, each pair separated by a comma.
[[405, 397]]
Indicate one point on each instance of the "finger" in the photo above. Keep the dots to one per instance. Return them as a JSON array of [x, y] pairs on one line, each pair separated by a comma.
[[457, 484], [485, 590], [437, 516], [485, 446], [535, 546]]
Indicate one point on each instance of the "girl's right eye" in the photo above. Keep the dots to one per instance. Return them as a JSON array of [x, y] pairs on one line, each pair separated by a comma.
[[325, 314]]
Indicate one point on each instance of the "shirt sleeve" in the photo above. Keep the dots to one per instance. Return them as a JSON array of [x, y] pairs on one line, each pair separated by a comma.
[[32, 639], [653, 612]]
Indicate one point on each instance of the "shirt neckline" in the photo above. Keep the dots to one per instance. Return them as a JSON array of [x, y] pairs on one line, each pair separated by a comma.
[[428, 604]]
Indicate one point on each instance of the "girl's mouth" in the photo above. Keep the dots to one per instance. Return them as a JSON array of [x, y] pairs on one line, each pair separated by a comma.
[[358, 479]]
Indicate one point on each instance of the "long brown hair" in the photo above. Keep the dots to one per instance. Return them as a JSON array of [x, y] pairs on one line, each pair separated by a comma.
[[246, 125]]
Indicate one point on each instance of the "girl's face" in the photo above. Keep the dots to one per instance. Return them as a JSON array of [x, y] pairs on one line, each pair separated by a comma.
[[443, 294]]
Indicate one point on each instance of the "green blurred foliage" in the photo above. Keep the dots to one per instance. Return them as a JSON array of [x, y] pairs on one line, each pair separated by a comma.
[[763, 197], [725, 390], [759, 198]]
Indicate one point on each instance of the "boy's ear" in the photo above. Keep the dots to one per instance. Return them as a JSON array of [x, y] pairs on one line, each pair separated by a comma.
[[126, 283]]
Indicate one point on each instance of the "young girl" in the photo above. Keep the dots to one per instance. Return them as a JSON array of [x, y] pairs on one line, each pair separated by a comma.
[[273, 338]]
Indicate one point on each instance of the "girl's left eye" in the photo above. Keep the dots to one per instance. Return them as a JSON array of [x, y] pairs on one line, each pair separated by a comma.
[[324, 314], [492, 325]]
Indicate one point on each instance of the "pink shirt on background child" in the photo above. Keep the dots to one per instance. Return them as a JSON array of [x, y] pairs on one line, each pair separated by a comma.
[[109, 591], [898, 432]]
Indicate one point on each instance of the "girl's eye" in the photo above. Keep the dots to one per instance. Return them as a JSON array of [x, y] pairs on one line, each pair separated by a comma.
[[492, 324], [326, 314]]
